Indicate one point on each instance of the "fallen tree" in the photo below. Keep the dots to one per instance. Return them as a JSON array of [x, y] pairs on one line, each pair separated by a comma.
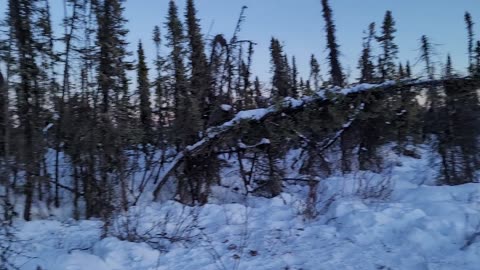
[[286, 107]]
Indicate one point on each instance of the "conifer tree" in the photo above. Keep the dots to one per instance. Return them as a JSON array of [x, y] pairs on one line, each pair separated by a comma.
[[471, 37], [476, 68], [200, 75], [336, 73], [159, 82], [389, 48], [4, 123], [114, 126], [308, 88], [281, 76], [381, 72], [257, 91], [187, 116], [449, 67], [367, 68], [111, 40], [315, 72], [426, 51], [301, 86], [408, 70], [144, 95], [245, 73], [20, 20], [401, 71], [294, 83]]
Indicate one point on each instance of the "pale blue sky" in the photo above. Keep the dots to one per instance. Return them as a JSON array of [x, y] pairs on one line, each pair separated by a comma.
[[299, 24]]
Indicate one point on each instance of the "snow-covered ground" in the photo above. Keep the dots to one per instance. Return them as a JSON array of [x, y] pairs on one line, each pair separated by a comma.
[[408, 224]]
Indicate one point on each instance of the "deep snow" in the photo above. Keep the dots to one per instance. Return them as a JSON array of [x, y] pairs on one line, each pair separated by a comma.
[[411, 224]]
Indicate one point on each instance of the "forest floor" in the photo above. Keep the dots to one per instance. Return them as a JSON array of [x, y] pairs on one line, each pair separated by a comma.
[[394, 220]]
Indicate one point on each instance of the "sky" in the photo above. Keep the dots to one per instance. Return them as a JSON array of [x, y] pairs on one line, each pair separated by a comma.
[[299, 25]]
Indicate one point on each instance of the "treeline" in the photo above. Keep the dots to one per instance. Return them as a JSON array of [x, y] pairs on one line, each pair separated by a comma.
[[71, 123]]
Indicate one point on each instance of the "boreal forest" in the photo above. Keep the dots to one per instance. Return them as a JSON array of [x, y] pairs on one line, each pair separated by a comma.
[[184, 156]]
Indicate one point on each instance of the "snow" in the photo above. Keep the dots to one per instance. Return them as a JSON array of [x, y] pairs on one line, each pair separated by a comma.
[[415, 226], [47, 127], [226, 107]]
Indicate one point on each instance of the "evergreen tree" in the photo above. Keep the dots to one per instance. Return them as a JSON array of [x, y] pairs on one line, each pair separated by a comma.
[[315, 72], [200, 75], [159, 81], [4, 121], [408, 70], [308, 88], [113, 125], [476, 68], [471, 37], [111, 40], [245, 74], [449, 68], [381, 72], [401, 71], [20, 20], [426, 51], [389, 48], [187, 122], [294, 83], [367, 68], [281, 76], [144, 95], [336, 73], [257, 91]]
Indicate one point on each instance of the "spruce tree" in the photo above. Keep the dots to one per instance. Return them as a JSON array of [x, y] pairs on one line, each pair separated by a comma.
[[48, 74], [114, 126], [308, 88], [159, 81], [449, 68], [408, 70], [281, 76], [367, 68], [186, 124], [426, 51], [200, 75], [389, 48], [4, 120], [476, 68], [336, 73], [301, 86], [315, 72], [144, 95], [294, 83], [381, 72], [257, 91], [20, 20], [245, 74], [111, 40], [469, 23], [401, 71]]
